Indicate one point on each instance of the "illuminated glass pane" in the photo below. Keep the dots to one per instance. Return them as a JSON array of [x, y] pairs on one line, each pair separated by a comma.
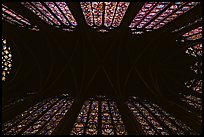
[[157, 9], [14, 18], [194, 37], [165, 14], [87, 11], [195, 50], [37, 12], [53, 13], [177, 13], [97, 110], [120, 12], [197, 67], [56, 11], [97, 12], [109, 13], [192, 101], [148, 6], [152, 118], [42, 118], [45, 11], [195, 85], [192, 32], [65, 9], [6, 59], [189, 24], [104, 15]]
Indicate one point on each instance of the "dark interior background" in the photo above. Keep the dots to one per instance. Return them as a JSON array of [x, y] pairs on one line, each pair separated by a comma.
[[85, 63]]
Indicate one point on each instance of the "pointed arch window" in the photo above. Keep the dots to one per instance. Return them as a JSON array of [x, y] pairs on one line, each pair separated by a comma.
[[99, 116], [154, 15], [104, 16], [16, 19], [41, 119], [56, 14], [154, 120]]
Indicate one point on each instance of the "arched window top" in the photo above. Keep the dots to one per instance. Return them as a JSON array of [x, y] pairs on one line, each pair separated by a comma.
[[99, 116], [154, 120], [40, 119], [104, 15], [6, 59], [16, 19]]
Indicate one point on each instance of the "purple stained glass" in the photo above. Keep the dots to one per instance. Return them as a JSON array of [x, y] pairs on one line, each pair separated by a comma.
[[40, 7], [56, 11], [65, 9]]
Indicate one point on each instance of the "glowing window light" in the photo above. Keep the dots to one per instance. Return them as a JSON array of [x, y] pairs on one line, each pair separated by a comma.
[[97, 110], [14, 18], [149, 116], [109, 12], [6, 59], [154, 12], [195, 85], [165, 14], [56, 11], [192, 32], [195, 50], [53, 13], [56, 119], [97, 12], [195, 37], [11, 20], [192, 101], [104, 14], [40, 7], [142, 13], [197, 67], [42, 118], [15, 15], [87, 11], [65, 9], [178, 122], [120, 12], [37, 12], [189, 24], [176, 14]]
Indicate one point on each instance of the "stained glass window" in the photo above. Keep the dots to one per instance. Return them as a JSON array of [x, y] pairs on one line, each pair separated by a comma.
[[16, 19], [193, 34], [6, 59], [104, 15], [193, 101], [99, 116], [195, 85], [154, 15], [197, 67], [154, 120], [188, 25], [57, 14], [195, 50], [41, 119]]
